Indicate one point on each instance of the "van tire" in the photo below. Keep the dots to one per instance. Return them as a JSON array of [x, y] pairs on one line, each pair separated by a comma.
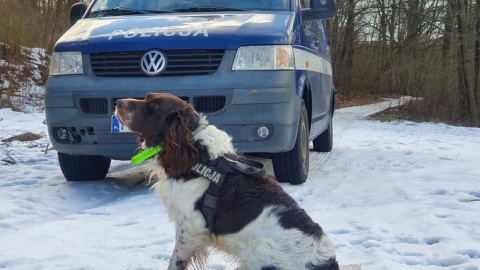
[[292, 166], [83, 168], [324, 141]]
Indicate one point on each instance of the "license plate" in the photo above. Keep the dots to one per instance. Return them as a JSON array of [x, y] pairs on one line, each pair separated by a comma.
[[117, 127]]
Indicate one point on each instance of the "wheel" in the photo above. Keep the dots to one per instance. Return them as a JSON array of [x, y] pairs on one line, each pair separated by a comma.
[[324, 141], [292, 166], [83, 168]]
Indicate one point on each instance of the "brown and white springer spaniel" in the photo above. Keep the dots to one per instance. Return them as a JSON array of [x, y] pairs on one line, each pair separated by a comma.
[[256, 221]]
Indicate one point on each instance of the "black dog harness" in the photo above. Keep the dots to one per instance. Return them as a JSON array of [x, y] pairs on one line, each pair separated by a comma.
[[215, 171]]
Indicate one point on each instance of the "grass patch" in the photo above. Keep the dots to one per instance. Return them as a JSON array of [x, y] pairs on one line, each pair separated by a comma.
[[24, 137], [419, 111], [411, 111], [359, 99]]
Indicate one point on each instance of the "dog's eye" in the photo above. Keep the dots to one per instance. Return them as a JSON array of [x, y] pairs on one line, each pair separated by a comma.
[[154, 105]]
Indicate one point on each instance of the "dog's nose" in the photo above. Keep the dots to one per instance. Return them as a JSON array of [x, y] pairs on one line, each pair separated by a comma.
[[121, 104]]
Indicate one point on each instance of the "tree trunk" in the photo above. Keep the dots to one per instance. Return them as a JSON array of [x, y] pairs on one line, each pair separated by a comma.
[[448, 32], [463, 83], [348, 48], [476, 81]]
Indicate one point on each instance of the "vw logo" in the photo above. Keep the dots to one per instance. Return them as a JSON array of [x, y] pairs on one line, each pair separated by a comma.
[[153, 62]]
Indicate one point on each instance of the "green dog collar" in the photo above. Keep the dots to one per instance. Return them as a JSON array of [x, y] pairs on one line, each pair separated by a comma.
[[146, 154]]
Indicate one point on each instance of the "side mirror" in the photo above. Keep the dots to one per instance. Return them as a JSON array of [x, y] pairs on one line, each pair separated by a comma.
[[321, 9], [76, 12]]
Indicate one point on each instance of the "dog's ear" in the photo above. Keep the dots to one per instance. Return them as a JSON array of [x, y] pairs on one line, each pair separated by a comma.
[[180, 152]]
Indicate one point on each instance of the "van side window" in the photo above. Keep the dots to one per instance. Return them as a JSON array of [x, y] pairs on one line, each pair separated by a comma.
[[305, 4]]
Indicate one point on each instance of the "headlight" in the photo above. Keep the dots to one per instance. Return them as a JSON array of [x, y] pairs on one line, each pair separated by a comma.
[[264, 58], [63, 63]]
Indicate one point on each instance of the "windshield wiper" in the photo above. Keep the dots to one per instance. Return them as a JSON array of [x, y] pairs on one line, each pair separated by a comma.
[[124, 11], [208, 8]]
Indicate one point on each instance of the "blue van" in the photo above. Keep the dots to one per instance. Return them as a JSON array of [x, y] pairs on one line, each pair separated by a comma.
[[260, 68]]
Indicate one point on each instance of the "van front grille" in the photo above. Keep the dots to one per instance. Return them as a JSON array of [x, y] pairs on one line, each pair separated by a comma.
[[114, 101], [179, 63], [94, 105], [209, 104], [204, 104]]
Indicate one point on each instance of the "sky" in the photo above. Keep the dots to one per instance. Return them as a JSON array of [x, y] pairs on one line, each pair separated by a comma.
[[391, 195]]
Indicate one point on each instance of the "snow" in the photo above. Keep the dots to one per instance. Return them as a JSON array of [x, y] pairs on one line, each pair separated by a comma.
[[391, 195]]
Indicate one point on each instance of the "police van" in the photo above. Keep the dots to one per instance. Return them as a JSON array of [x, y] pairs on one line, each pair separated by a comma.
[[260, 69]]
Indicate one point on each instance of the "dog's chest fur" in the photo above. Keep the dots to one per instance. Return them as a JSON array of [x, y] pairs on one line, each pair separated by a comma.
[[180, 197]]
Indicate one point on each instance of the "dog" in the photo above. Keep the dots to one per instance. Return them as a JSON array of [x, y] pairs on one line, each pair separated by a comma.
[[252, 217]]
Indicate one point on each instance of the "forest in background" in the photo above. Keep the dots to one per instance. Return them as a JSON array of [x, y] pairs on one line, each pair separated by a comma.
[[26, 24], [421, 48]]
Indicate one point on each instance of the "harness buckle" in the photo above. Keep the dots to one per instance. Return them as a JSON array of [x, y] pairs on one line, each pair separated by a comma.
[[230, 160]]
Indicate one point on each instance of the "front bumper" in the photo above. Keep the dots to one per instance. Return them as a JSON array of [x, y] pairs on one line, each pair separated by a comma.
[[92, 135], [84, 104]]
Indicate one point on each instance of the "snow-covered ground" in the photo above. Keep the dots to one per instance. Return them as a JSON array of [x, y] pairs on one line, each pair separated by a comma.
[[396, 195]]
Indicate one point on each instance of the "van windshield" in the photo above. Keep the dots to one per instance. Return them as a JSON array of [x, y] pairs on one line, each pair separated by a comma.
[[103, 8]]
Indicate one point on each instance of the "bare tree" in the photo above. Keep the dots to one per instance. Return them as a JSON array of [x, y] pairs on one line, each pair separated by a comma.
[[468, 101], [348, 47], [476, 80]]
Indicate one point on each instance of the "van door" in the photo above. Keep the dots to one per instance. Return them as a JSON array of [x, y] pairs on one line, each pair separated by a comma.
[[320, 77]]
